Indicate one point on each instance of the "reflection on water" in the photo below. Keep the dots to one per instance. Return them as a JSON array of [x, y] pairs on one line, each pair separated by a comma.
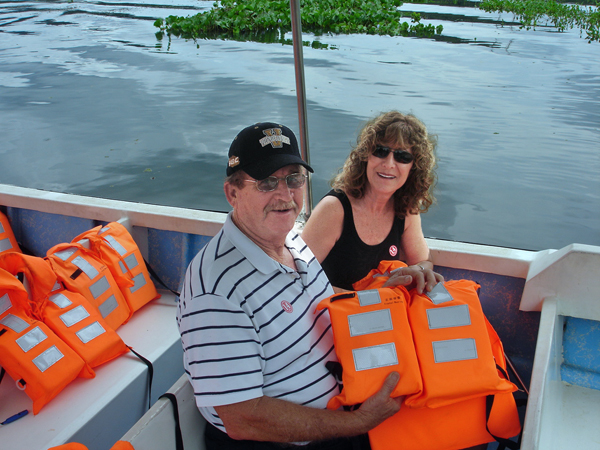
[[92, 103]]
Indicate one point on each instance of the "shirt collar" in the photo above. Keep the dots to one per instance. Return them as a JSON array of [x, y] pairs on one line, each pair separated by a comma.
[[256, 255]]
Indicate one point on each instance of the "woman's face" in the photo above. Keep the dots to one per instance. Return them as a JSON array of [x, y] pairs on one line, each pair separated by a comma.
[[384, 172]]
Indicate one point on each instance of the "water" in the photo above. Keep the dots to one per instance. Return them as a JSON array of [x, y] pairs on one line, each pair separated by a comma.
[[92, 103]]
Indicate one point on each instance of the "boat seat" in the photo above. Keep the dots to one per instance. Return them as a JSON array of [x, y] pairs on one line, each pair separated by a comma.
[[156, 429], [564, 399]]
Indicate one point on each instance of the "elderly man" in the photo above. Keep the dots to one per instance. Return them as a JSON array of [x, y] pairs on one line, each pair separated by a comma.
[[254, 348]]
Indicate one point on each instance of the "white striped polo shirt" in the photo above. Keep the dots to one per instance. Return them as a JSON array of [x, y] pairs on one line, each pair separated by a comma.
[[248, 325]]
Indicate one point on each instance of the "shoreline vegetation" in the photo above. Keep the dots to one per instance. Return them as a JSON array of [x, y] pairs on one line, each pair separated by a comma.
[[269, 20], [534, 13]]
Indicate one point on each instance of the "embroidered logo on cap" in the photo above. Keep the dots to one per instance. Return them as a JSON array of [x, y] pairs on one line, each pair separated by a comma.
[[274, 137], [234, 161]]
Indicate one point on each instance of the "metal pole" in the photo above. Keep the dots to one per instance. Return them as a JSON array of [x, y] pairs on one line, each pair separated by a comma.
[[301, 97]]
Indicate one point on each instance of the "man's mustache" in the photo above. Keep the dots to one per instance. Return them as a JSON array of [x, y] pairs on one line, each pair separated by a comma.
[[282, 206]]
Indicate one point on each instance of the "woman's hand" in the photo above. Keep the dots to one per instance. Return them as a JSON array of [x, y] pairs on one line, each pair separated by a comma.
[[415, 276]]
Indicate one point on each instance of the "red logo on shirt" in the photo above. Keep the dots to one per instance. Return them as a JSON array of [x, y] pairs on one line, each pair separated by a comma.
[[287, 306], [393, 250]]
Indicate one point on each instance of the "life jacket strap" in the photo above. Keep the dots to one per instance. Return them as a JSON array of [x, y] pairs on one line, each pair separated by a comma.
[[502, 442], [178, 437], [150, 373], [157, 278]]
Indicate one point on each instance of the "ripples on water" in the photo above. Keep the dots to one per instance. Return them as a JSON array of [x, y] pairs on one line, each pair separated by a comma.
[[92, 103]]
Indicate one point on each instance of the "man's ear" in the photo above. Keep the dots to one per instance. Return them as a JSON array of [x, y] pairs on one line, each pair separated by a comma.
[[231, 193]]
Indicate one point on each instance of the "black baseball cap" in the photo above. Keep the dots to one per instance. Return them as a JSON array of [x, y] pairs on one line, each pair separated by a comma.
[[262, 149]]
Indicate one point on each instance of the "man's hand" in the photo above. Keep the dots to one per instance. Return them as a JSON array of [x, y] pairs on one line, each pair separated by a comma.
[[269, 419], [381, 405]]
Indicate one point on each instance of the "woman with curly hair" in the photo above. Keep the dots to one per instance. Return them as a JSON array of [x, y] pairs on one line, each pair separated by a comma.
[[373, 211]]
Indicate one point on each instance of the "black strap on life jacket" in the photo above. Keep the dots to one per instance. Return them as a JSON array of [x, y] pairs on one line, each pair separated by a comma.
[[157, 278], [502, 442], [489, 404], [75, 274], [150, 373], [178, 435], [2, 371]]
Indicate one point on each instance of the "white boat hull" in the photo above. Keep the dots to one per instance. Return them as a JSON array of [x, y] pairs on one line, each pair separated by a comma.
[[516, 285]]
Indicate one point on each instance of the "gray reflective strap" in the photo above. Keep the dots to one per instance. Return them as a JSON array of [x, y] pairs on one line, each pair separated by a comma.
[[5, 304], [5, 245], [370, 322], [60, 300], [48, 358], [139, 282], [86, 267], [66, 253], [15, 323], [99, 287], [56, 287], [370, 297], [376, 356], [132, 261], [90, 332], [116, 245], [439, 294], [454, 350], [2, 230], [30, 339], [109, 305], [451, 316], [104, 229], [74, 316]]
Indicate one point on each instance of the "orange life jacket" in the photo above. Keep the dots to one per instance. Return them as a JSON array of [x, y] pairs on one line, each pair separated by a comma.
[[81, 271], [119, 445], [39, 361], [377, 277], [8, 243], [67, 313], [372, 338], [454, 349], [114, 245], [458, 425]]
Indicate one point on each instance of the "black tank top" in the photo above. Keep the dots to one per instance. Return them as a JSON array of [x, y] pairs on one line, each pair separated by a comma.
[[351, 259]]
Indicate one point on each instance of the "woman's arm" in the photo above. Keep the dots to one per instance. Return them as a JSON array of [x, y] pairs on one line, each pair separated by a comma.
[[414, 244], [324, 227], [419, 272]]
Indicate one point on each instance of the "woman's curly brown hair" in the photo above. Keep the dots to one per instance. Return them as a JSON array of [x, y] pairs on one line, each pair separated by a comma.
[[395, 130]]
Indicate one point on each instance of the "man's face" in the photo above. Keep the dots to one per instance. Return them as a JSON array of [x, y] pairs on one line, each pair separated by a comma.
[[266, 217]]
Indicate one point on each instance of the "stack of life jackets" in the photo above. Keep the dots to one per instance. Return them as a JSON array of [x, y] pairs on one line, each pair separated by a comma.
[[73, 304], [114, 245], [465, 398], [39, 361], [105, 265], [8, 243]]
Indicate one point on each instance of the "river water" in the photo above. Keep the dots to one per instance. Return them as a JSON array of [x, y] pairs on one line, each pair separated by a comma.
[[92, 103]]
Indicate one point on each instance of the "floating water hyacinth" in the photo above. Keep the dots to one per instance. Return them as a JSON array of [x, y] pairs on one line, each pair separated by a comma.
[[268, 21]]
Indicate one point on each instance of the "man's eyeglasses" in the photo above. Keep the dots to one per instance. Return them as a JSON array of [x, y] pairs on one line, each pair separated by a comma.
[[401, 156], [293, 181]]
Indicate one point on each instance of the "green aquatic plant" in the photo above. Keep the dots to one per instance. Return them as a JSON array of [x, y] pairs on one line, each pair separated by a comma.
[[269, 20], [533, 13]]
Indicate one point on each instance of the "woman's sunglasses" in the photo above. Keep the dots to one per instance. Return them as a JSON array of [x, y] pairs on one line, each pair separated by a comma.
[[401, 156]]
